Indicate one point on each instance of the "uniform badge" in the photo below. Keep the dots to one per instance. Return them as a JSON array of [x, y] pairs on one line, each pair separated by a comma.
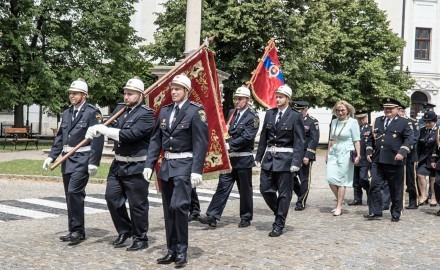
[[202, 115], [163, 123], [256, 122], [99, 117], [317, 125]]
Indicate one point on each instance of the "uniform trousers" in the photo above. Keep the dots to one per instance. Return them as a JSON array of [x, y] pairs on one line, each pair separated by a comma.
[[305, 181], [176, 200], [360, 181], [411, 184], [75, 192], [437, 185], [133, 188], [243, 178], [393, 175], [272, 183], [194, 209]]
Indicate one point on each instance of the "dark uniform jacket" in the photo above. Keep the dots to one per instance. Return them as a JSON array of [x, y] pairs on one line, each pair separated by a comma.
[[71, 133], [396, 139], [134, 138], [412, 156], [243, 138], [366, 132], [289, 133], [426, 144], [311, 142], [188, 133]]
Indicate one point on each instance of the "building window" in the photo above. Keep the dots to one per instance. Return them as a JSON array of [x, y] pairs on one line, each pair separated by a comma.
[[423, 42]]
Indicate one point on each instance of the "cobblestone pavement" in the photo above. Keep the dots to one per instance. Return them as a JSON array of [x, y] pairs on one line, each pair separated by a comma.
[[312, 238]]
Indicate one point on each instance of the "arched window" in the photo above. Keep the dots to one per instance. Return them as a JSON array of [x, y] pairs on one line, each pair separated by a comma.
[[417, 100]]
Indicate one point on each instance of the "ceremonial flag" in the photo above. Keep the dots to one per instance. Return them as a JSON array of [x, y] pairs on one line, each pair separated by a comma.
[[267, 77], [200, 68]]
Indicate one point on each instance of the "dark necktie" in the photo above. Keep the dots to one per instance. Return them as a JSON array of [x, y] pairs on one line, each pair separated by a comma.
[[127, 111], [280, 114], [75, 112], [176, 111], [387, 122], [236, 119]]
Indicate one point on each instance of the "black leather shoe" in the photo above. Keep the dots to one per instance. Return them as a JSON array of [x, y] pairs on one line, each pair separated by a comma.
[[299, 208], [76, 237], [193, 217], [180, 260], [438, 213], [372, 216], [276, 232], [167, 259], [244, 223], [122, 238], [65, 238], [355, 202], [395, 219], [211, 221], [138, 245], [411, 206]]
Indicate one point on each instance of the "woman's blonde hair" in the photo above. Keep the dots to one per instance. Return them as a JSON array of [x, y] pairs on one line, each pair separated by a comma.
[[348, 106]]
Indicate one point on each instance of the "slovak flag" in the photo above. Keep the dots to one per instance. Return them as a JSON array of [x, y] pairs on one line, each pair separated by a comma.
[[267, 77]]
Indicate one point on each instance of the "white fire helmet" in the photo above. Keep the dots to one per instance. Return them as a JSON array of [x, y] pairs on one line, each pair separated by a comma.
[[285, 90], [135, 84], [182, 80], [79, 85], [242, 91]]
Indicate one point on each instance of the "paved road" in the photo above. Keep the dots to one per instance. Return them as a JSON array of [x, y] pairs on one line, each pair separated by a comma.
[[313, 238]]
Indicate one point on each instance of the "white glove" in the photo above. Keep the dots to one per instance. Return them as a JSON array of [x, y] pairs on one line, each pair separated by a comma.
[[147, 174], [227, 146], [257, 164], [93, 169], [101, 128], [46, 163], [293, 168], [92, 133], [196, 179]]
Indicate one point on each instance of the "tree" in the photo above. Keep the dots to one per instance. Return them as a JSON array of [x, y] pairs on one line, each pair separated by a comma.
[[329, 49], [47, 44]]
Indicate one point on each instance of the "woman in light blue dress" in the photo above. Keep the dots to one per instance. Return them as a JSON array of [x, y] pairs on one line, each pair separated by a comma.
[[344, 138]]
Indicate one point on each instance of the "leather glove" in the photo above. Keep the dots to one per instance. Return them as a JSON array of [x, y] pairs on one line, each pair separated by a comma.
[[257, 164], [93, 169], [293, 168], [147, 174], [46, 163], [92, 133], [196, 179]]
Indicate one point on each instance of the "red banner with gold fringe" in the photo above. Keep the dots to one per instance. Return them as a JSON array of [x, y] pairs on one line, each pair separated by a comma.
[[204, 90]]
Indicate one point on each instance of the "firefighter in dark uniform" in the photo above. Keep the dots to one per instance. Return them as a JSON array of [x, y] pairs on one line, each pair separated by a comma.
[[131, 133], [427, 156], [311, 126], [182, 132], [280, 155], [360, 176], [83, 163], [242, 130], [393, 137]]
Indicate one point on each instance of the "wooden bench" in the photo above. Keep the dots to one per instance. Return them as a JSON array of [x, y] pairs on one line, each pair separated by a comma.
[[16, 135]]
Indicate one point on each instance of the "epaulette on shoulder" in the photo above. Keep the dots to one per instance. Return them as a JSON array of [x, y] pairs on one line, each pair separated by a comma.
[[313, 118], [168, 105], [121, 103], [146, 107], [251, 110], [273, 109], [412, 119], [92, 106], [196, 104]]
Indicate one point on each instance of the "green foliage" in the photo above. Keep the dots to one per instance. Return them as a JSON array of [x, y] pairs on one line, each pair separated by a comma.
[[329, 49], [47, 44]]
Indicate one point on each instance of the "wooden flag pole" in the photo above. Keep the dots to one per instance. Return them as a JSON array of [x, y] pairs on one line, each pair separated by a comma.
[[85, 141]]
